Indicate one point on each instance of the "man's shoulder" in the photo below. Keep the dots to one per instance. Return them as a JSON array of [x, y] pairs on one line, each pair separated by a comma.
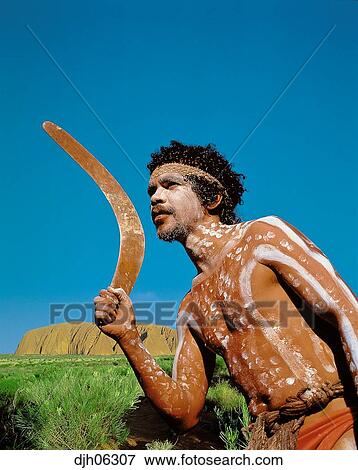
[[186, 299], [258, 226], [254, 232], [263, 221], [252, 227]]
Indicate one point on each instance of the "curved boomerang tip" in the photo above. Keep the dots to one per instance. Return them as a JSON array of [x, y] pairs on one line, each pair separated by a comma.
[[48, 125], [132, 243]]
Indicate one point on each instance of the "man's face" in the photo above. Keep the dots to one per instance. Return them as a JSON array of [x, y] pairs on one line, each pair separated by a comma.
[[175, 207]]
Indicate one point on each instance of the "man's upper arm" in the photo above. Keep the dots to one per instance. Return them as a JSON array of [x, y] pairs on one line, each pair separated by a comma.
[[308, 271]]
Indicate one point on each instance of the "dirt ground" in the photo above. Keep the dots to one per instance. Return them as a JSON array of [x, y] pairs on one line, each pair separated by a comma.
[[146, 425]]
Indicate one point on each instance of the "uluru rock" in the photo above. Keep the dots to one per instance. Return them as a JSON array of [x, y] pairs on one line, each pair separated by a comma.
[[86, 338]]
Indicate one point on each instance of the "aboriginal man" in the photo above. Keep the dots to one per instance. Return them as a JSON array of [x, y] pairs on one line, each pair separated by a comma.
[[265, 298]]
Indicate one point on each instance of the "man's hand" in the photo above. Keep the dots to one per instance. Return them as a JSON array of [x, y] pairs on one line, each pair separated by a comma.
[[114, 313]]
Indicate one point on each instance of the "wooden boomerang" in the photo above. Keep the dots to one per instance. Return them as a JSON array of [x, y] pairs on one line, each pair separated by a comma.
[[132, 242]]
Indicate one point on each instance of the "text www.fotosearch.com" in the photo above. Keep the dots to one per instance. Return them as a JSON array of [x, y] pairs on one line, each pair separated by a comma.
[[184, 459]]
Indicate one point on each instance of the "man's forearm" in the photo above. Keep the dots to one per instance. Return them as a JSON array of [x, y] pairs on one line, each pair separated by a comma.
[[169, 397]]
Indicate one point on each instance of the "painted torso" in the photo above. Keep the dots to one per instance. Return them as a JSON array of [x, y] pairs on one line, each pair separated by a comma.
[[239, 310]]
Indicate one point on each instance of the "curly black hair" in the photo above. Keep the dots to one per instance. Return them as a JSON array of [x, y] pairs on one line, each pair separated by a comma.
[[211, 161]]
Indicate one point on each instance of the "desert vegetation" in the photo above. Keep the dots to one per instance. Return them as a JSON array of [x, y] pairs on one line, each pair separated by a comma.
[[160, 445], [81, 402], [232, 413], [65, 402]]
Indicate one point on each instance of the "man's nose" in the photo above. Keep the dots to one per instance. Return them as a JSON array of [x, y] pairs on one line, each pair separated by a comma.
[[158, 197]]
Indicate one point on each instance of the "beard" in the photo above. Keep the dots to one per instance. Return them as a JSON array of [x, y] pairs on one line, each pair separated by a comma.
[[177, 233]]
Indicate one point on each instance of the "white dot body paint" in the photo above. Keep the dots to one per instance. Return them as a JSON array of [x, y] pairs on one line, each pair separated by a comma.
[[225, 342]]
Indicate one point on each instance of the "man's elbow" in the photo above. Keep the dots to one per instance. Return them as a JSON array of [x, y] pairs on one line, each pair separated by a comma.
[[181, 420], [184, 424]]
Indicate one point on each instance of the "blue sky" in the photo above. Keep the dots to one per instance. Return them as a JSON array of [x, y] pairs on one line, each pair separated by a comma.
[[199, 72]]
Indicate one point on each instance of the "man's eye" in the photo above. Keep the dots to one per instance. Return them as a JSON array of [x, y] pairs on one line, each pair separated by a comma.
[[172, 185]]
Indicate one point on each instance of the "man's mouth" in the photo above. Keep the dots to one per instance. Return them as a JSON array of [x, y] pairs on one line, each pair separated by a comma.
[[159, 215]]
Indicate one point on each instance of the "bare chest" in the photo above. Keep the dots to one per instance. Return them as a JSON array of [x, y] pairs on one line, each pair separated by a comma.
[[266, 356]]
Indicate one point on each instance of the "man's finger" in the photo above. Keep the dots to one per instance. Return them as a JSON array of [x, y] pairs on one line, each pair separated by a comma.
[[109, 295], [103, 318], [120, 294], [99, 300], [106, 308], [117, 291]]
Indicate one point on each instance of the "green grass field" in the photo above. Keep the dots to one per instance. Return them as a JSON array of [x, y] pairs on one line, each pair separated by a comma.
[[80, 402]]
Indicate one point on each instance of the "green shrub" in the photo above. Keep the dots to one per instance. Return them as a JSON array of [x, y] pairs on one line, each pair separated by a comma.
[[221, 371], [166, 363], [160, 445], [77, 409], [225, 396], [233, 415], [65, 402]]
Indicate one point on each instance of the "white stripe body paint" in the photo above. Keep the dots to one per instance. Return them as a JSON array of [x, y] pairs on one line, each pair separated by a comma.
[[181, 325], [351, 339], [183, 322], [322, 356], [180, 331], [264, 253]]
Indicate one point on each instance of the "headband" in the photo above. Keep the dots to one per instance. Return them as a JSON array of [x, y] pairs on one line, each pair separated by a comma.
[[185, 170]]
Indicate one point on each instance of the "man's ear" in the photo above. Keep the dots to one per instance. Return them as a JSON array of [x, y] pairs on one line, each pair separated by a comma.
[[215, 203]]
